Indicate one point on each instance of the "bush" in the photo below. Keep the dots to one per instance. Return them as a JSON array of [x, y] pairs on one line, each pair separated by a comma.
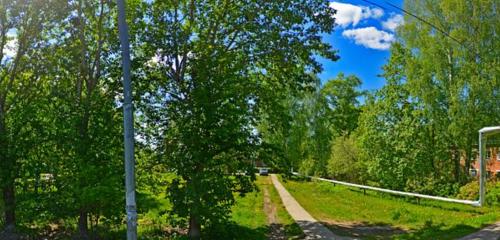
[[470, 191], [433, 186], [345, 162]]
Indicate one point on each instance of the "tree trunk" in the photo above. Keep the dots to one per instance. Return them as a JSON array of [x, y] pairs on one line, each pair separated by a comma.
[[6, 177], [83, 226], [10, 205], [468, 158], [456, 161], [194, 228]]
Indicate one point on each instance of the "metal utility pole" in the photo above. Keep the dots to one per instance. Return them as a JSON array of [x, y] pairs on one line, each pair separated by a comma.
[[482, 168], [128, 125], [484, 133]]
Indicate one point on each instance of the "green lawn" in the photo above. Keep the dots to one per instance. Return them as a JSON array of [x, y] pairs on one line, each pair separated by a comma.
[[380, 215]]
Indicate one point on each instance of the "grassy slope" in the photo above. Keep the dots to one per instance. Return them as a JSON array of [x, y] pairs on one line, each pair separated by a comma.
[[427, 220]]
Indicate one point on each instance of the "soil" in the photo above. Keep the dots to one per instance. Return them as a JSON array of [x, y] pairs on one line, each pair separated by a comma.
[[277, 231]]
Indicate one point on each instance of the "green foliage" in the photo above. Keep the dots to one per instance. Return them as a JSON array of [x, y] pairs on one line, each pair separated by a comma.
[[424, 122], [347, 162], [21, 71], [471, 191], [342, 99], [219, 86], [58, 111], [311, 120]]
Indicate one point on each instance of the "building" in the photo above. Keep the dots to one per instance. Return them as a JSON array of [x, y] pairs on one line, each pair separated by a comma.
[[492, 159]]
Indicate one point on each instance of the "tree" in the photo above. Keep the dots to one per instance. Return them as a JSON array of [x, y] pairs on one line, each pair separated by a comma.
[[347, 162], [22, 29], [454, 80], [213, 67], [314, 117], [85, 117], [342, 98], [441, 90]]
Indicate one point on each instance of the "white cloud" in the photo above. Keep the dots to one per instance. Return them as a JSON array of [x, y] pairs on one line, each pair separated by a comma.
[[393, 22], [348, 14], [370, 37]]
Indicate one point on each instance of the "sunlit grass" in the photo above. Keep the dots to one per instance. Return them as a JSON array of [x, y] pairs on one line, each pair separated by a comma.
[[424, 220]]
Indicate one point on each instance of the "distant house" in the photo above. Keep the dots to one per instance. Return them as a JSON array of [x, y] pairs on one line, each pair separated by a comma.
[[260, 164], [492, 159]]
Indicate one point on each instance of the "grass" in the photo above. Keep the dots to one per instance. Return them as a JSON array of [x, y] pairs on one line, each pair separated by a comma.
[[350, 208], [249, 215], [153, 219], [292, 229]]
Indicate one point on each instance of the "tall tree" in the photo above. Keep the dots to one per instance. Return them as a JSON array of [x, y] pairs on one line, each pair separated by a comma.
[[213, 66], [22, 28], [442, 88], [85, 116], [342, 98], [313, 118]]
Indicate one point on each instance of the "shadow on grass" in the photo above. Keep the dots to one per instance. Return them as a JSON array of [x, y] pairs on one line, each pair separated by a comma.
[[438, 231], [226, 231], [429, 230], [364, 230], [231, 230]]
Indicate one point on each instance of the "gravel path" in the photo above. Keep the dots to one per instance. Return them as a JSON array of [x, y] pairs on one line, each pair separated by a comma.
[[311, 227]]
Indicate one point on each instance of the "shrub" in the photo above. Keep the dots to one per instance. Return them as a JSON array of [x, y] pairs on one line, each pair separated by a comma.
[[345, 162], [471, 191]]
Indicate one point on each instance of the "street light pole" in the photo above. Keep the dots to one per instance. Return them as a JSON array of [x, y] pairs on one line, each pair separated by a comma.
[[128, 125]]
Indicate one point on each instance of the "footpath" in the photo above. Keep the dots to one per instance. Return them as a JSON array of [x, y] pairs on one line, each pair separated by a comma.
[[489, 233], [311, 227]]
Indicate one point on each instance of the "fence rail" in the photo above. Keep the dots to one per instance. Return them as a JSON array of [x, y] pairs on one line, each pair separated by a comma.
[[468, 202]]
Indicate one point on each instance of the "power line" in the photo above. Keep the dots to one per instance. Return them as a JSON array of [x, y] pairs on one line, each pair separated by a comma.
[[416, 17], [425, 21], [375, 4]]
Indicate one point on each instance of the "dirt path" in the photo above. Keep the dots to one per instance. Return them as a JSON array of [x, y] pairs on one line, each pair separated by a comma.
[[277, 232], [489, 233], [311, 227]]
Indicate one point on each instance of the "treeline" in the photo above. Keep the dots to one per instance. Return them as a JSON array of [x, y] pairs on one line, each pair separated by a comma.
[[205, 74], [419, 132]]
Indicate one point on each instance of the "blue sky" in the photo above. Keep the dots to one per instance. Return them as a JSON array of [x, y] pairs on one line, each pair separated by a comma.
[[362, 37]]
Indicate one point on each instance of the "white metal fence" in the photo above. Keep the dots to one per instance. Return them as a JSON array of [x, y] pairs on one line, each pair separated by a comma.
[[469, 202]]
